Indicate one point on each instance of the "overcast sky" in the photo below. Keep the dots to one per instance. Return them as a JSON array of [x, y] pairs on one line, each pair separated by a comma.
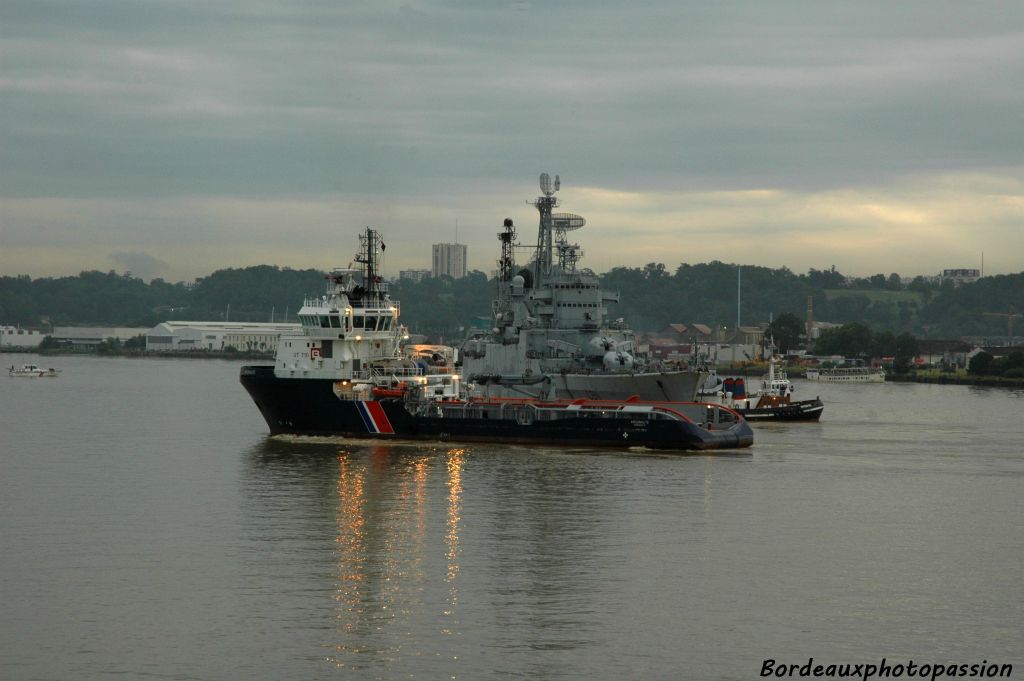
[[176, 137]]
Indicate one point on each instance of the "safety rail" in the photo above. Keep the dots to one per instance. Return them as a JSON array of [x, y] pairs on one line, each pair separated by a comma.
[[526, 411]]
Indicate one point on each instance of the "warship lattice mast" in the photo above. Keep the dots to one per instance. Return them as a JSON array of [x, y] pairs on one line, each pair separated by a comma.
[[545, 231]]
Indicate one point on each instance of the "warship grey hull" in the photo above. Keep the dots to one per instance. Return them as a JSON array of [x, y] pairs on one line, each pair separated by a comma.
[[551, 336], [667, 386], [676, 386]]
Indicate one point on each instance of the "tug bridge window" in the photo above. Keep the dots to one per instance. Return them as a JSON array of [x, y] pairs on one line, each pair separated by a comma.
[[372, 322]]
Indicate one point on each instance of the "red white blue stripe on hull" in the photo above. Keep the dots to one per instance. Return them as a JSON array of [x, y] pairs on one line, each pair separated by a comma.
[[374, 418]]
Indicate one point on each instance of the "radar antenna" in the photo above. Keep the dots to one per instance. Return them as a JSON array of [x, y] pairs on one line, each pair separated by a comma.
[[568, 254], [567, 222], [547, 186], [544, 204]]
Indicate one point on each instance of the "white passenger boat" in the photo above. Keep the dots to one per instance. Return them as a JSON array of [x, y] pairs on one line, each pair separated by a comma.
[[33, 371], [848, 375]]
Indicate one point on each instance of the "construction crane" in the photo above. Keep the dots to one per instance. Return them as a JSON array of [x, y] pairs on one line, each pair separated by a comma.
[[1009, 322]]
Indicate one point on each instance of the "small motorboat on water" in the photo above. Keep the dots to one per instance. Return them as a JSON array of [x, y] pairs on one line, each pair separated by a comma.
[[33, 371]]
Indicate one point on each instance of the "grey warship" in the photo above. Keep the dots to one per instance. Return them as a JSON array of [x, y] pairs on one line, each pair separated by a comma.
[[549, 335]]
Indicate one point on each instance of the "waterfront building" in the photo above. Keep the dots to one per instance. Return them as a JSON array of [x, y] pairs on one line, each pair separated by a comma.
[[943, 353], [413, 275], [17, 337], [88, 337], [182, 336]]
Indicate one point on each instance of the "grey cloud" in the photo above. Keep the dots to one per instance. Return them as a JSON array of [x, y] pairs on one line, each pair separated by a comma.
[[140, 264], [124, 100]]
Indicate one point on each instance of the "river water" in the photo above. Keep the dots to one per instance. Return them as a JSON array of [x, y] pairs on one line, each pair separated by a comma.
[[149, 528]]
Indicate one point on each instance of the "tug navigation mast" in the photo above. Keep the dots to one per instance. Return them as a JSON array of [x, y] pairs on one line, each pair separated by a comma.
[[368, 256]]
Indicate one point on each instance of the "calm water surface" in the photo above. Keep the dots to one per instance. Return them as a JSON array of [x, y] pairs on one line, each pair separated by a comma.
[[149, 528]]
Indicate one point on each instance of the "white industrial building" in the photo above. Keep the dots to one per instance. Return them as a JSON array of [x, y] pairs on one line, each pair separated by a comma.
[[16, 337], [217, 336], [84, 337]]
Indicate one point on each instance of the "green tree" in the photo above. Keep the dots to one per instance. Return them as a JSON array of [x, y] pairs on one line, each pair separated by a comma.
[[787, 331], [109, 346], [883, 344], [849, 308], [981, 364], [906, 350], [825, 279], [848, 340], [1014, 367], [921, 285], [136, 342]]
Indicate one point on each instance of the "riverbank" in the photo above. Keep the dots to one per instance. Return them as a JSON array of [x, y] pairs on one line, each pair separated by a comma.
[[958, 379], [929, 376], [140, 354]]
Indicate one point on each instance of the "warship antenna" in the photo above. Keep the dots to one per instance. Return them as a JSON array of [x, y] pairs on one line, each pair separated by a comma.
[[568, 254], [544, 204], [506, 264]]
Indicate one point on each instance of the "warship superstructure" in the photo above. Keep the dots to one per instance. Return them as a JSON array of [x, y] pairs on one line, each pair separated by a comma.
[[550, 336]]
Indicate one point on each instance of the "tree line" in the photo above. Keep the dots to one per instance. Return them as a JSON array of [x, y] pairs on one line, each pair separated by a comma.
[[856, 340], [651, 297], [1010, 366]]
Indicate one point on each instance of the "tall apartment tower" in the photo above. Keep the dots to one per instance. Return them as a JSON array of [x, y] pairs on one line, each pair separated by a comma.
[[449, 259]]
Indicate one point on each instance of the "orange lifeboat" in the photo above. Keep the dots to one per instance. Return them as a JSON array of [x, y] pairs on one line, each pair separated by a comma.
[[380, 392]]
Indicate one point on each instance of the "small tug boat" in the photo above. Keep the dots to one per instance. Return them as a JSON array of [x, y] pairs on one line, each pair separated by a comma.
[[33, 371], [772, 402], [344, 374]]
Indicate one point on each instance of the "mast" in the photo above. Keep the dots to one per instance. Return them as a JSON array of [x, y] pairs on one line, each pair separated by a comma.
[[368, 257], [544, 204], [507, 261]]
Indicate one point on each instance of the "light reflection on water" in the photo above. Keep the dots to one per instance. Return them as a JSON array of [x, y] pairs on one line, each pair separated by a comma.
[[154, 530], [583, 564], [452, 536], [386, 556]]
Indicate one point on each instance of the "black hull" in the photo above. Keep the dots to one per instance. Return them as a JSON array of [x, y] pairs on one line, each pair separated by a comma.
[[310, 407], [805, 410]]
